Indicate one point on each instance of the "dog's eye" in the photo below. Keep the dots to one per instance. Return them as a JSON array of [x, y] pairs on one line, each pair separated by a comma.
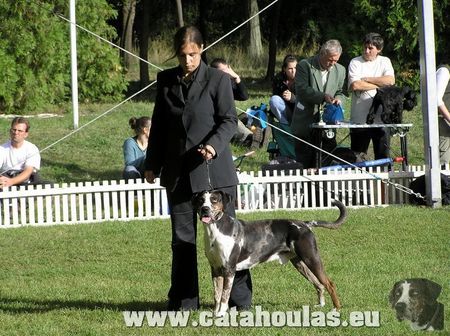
[[413, 293], [398, 292]]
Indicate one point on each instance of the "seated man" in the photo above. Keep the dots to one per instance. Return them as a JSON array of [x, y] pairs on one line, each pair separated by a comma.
[[20, 160]]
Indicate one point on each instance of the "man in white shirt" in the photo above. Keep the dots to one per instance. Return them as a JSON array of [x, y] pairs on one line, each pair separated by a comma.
[[366, 73], [20, 159]]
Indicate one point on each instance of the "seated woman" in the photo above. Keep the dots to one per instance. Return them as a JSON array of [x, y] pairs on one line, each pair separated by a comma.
[[135, 148], [282, 102]]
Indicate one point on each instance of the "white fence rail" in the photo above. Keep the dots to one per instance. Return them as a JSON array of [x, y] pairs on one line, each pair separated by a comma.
[[128, 200]]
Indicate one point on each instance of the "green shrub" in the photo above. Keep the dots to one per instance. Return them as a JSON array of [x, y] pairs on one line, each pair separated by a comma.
[[35, 55]]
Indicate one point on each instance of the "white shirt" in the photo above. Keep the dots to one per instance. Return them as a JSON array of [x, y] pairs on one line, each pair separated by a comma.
[[18, 158], [360, 68], [442, 79]]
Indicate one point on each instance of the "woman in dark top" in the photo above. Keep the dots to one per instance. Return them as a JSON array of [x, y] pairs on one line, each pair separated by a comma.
[[282, 102], [193, 121]]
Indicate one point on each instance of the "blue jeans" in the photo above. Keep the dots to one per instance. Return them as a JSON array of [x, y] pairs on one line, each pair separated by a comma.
[[280, 109]]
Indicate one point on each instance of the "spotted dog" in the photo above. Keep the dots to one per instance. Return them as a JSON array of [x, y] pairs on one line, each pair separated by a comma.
[[415, 300], [232, 245]]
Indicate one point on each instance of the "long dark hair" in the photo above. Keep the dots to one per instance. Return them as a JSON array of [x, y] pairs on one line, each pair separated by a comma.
[[186, 34]]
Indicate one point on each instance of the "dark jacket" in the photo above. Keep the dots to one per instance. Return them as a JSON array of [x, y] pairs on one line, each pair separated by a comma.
[[179, 127], [239, 91]]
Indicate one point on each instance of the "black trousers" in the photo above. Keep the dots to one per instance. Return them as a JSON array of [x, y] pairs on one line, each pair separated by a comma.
[[380, 137], [307, 155], [184, 289]]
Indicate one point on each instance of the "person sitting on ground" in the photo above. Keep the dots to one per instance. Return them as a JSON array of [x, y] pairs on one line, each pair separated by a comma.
[[135, 148], [20, 159], [282, 103], [243, 134]]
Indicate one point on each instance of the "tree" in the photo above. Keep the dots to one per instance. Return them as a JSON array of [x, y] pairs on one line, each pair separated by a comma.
[[397, 21], [180, 13], [255, 49], [35, 68], [273, 41], [126, 41], [144, 37]]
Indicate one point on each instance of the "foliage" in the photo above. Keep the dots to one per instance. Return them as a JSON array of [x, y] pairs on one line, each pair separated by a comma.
[[34, 43], [35, 58], [397, 21]]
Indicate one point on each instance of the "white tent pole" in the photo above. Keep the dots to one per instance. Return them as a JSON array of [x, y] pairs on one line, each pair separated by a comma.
[[429, 102], [74, 67]]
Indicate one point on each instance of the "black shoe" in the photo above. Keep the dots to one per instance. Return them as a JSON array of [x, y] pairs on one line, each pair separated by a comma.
[[241, 308], [177, 306]]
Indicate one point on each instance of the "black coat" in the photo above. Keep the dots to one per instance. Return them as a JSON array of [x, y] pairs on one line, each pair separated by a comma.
[[179, 127]]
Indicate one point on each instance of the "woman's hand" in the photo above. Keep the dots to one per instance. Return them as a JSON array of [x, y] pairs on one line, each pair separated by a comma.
[[207, 151], [150, 176]]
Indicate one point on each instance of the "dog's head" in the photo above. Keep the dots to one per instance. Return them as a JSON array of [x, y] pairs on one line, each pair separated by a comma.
[[210, 205], [409, 98], [411, 297]]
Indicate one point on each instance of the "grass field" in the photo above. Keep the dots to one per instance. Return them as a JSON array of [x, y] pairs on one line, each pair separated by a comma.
[[77, 280]]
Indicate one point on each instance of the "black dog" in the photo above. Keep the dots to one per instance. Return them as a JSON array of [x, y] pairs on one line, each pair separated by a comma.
[[232, 245], [393, 100], [416, 300]]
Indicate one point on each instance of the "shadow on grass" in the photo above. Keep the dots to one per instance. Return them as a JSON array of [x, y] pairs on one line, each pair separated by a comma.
[[71, 172], [147, 95], [29, 306]]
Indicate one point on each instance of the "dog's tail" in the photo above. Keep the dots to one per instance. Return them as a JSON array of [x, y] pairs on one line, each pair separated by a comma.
[[332, 225]]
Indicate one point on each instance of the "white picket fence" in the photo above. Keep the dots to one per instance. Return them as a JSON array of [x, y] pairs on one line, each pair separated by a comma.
[[90, 202]]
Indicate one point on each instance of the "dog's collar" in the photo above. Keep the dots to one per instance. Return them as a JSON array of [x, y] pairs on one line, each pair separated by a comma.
[[220, 216]]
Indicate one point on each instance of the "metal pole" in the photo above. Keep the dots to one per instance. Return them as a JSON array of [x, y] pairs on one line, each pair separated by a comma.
[[74, 67], [429, 102]]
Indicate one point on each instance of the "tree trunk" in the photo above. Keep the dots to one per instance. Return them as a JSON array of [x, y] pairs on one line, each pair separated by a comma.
[[180, 13], [143, 43], [273, 41], [129, 13], [202, 26], [255, 46]]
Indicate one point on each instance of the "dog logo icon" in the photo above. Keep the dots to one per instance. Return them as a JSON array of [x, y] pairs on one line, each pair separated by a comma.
[[415, 300]]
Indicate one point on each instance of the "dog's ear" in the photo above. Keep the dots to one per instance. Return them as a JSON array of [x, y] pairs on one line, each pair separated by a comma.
[[225, 198], [433, 290], [409, 98], [196, 199], [392, 293]]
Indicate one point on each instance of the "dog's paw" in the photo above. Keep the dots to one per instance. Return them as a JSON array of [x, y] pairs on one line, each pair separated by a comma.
[[220, 313], [223, 308]]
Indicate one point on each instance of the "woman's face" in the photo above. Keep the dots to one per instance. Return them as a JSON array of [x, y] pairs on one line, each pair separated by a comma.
[[189, 57], [290, 69]]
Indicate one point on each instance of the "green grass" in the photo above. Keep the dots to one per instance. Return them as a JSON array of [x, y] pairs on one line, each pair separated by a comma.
[[77, 280]]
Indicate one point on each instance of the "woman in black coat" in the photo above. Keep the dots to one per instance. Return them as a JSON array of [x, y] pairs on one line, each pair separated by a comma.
[[193, 121]]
